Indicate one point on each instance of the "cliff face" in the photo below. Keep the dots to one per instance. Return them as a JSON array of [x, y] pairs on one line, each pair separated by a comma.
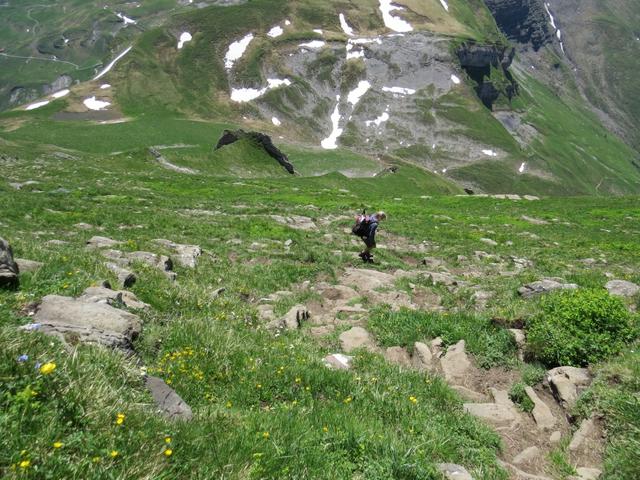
[[522, 21]]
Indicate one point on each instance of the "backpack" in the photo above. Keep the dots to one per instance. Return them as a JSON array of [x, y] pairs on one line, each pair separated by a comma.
[[361, 227]]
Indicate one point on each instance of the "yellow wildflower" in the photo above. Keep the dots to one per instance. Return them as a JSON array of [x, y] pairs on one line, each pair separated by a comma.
[[347, 400], [167, 439], [57, 444], [47, 368], [265, 434], [413, 400], [259, 386], [96, 459], [298, 380], [120, 419], [25, 464], [113, 453], [168, 452], [325, 429], [229, 404]]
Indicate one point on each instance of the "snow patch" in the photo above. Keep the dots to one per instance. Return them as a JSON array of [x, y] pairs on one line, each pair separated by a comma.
[[394, 23], [490, 153], [287, 22], [242, 95], [236, 50], [184, 38], [104, 86], [522, 167], [33, 106], [275, 31], [276, 121], [330, 143], [399, 90], [356, 94], [345, 26], [455, 79], [61, 93], [126, 20], [92, 104], [313, 44], [445, 5], [379, 121], [318, 31], [113, 62]]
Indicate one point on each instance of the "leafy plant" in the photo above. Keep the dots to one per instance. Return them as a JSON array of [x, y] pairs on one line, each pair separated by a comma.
[[518, 395], [579, 327]]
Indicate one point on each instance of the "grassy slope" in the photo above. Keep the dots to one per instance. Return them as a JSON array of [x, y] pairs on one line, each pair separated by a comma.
[[252, 383]]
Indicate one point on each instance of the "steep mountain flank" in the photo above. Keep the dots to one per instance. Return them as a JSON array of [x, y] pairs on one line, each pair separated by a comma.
[[522, 21]]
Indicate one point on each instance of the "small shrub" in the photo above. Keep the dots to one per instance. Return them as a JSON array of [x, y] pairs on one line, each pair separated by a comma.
[[532, 373], [520, 397], [579, 327]]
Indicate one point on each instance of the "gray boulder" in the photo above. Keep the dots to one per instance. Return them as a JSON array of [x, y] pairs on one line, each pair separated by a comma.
[[113, 297], [8, 268], [338, 361], [84, 321], [186, 255], [169, 403], [567, 383], [398, 356], [622, 288], [28, 265], [454, 472], [455, 363], [292, 320], [356, 338], [544, 286], [101, 242]]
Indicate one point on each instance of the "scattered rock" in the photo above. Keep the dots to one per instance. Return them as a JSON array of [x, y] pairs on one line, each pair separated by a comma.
[[217, 292], [455, 363], [438, 278], [18, 185], [83, 226], [555, 437], [481, 298], [292, 320], [454, 472], [356, 338], [55, 243], [79, 320], [586, 474], [521, 263], [9, 270], [519, 474], [338, 361], [28, 265], [186, 255], [488, 241], [567, 383], [112, 297], [366, 280], [541, 412], [521, 341], [398, 356], [544, 286], [102, 242], [586, 430], [526, 455], [422, 358], [298, 222], [469, 395], [167, 400], [126, 278], [622, 288], [535, 221], [496, 414]]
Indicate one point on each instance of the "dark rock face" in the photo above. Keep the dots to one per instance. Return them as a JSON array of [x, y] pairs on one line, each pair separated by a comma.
[[522, 21], [229, 137], [8, 267], [479, 60]]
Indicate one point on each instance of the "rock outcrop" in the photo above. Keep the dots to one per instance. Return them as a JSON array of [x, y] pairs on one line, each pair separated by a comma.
[[544, 286], [8, 268], [260, 139], [622, 288], [522, 21], [567, 383]]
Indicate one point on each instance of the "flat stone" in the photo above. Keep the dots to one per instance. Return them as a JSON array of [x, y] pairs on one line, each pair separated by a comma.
[[366, 280], [292, 320], [555, 437], [298, 222], [488, 241], [527, 455], [541, 412], [422, 358], [186, 255], [567, 383], [79, 320], [469, 395], [534, 221], [496, 414], [29, 266], [398, 356], [356, 338], [102, 242], [338, 361], [454, 472], [544, 286], [83, 226], [586, 430], [520, 474], [438, 278], [521, 341], [108, 296], [55, 243], [126, 278], [587, 474], [167, 400], [455, 363], [338, 292], [622, 288]]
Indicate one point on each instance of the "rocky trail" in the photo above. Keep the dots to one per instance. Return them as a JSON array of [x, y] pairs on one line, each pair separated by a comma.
[[339, 310]]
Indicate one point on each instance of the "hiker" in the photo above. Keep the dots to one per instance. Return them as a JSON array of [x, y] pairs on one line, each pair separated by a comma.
[[366, 227]]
